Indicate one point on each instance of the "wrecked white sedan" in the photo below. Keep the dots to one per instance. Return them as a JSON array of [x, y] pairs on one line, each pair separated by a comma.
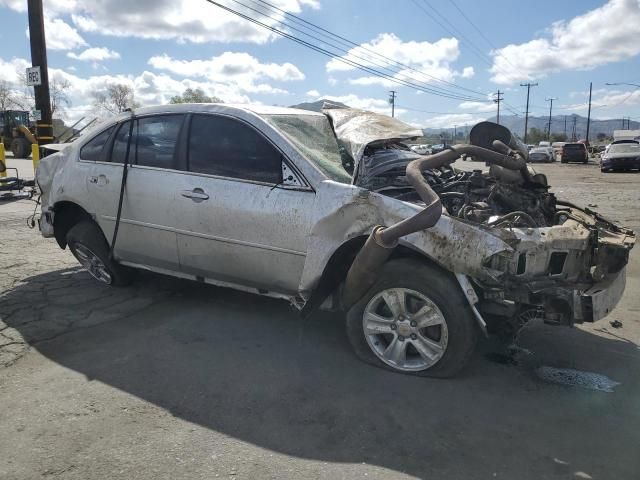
[[333, 211]]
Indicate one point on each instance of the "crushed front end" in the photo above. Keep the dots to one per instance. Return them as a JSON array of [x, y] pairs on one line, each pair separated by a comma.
[[562, 263]]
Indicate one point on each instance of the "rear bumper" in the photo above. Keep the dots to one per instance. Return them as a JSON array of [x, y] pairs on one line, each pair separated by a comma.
[[599, 301]]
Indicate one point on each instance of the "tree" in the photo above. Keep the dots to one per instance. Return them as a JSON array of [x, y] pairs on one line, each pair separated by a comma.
[[58, 88], [536, 135], [191, 95], [558, 137], [9, 98], [116, 99], [601, 137]]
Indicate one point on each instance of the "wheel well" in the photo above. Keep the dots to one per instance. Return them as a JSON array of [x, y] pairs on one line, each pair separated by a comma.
[[67, 214], [338, 265]]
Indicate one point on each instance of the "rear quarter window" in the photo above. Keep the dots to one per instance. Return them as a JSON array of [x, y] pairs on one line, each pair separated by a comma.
[[93, 150]]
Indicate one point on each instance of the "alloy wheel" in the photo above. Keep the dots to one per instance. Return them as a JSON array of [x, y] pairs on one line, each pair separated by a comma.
[[405, 329], [92, 263]]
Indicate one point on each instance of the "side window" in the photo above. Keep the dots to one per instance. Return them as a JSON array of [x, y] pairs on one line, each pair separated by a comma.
[[155, 140], [120, 143], [93, 149], [226, 147]]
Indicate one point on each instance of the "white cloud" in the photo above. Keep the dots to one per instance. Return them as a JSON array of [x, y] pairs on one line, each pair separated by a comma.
[[468, 72], [604, 35], [183, 20], [313, 94], [13, 70], [432, 59], [52, 7], [94, 54], [60, 35], [605, 99], [478, 106], [150, 88], [372, 104], [451, 120], [240, 68]]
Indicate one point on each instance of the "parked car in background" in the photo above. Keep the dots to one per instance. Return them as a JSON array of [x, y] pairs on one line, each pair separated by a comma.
[[438, 148], [530, 147], [557, 147], [622, 155], [544, 144], [544, 155], [258, 198], [574, 152], [421, 149]]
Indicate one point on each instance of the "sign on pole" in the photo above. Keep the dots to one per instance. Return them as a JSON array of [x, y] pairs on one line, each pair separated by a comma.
[[36, 115], [33, 77]]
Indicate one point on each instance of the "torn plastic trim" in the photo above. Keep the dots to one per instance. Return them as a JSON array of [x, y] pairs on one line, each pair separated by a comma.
[[472, 298]]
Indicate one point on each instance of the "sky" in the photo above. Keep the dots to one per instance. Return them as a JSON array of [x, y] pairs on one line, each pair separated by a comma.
[[444, 58]]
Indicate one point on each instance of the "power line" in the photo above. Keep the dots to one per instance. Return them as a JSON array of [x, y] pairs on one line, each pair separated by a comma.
[[435, 90], [498, 99], [469, 44], [526, 115], [550, 110], [327, 34], [392, 101]]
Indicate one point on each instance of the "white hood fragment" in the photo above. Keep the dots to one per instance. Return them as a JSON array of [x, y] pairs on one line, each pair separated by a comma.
[[356, 129]]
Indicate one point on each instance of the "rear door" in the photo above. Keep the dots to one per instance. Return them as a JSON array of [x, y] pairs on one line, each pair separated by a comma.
[[147, 227], [239, 219]]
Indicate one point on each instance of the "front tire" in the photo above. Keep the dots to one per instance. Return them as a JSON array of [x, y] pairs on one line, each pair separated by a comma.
[[414, 320], [20, 147], [88, 245]]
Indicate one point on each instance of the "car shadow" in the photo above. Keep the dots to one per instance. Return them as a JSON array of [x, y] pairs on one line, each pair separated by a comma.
[[250, 368]]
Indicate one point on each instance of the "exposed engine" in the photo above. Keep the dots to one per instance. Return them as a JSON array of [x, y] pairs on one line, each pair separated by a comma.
[[499, 197]]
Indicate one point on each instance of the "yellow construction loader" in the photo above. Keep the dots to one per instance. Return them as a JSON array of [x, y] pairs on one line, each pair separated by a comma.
[[16, 133]]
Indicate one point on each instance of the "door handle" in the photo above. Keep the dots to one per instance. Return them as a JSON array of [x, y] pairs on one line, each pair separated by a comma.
[[195, 194], [100, 180]]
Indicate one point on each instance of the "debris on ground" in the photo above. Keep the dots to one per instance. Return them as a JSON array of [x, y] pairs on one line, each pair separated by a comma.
[[577, 378]]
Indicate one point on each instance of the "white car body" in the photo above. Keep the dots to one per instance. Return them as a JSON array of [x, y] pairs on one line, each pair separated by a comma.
[[279, 239]]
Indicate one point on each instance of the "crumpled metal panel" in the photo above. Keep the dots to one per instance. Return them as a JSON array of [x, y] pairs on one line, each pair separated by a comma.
[[355, 129], [346, 211]]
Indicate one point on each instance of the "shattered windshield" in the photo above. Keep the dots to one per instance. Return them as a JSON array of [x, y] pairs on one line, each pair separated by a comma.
[[313, 136]]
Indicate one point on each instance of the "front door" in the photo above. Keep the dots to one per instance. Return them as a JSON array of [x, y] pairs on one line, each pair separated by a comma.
[[238, 221], [146, 234]]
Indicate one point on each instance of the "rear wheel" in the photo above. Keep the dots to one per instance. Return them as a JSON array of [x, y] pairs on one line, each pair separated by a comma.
[[414, 320], [88, 245], [20, 147]]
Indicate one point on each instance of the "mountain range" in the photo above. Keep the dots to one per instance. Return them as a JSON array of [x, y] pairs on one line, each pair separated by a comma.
[[516, 123]]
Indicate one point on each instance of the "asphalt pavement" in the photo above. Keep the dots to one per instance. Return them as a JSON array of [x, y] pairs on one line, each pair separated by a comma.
[[170, 379]]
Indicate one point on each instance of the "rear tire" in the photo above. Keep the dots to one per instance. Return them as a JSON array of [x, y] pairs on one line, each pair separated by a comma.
[[21, 148], [429, 290], [88, 245]]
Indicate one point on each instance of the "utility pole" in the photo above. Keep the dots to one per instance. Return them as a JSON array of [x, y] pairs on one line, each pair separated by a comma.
[[392, 101], [455, 134], [44, 127], [497, 100], [589, 114], [550, 109], [565, 126], [573, 134], [526, 115]]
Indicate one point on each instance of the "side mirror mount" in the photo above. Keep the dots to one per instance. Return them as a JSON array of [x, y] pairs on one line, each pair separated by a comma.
[[289, 177]]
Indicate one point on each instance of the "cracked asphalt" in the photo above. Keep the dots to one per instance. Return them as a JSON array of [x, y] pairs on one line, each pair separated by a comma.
[[171, 379]]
